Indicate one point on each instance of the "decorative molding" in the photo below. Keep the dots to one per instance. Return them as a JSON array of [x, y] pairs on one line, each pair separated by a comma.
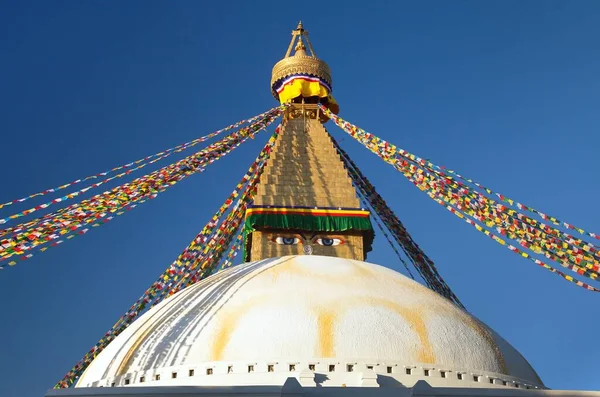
[[368, 374]]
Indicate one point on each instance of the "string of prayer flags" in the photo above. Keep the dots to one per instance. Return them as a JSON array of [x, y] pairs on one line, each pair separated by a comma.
[[199, 259], [509, 221], [40, 234], [160, 155], [534, 238], [385, 234], [195, 257], [448, 205], [518, 205], [130, 170], [479, 207], [112, 202], [422, 263]]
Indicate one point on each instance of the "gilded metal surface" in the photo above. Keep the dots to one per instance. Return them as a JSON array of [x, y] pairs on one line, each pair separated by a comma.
[[300, 62], [299, 31], [299, 113], [307, 110]]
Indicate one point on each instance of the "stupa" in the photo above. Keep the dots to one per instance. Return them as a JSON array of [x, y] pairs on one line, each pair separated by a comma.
[[306, 315]]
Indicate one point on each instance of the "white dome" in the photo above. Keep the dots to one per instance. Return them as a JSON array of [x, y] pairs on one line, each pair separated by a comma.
[[327, 321]]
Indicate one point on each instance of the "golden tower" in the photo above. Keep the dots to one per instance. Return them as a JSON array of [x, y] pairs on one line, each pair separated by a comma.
[[305, 202]]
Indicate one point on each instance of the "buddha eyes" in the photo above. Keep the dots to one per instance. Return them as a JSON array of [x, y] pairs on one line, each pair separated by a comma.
[[328, 242], [287, 240], [293, 240]]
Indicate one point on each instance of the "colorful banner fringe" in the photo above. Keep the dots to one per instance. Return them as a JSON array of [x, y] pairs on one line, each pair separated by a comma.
[[52, 229], [195, 263], [465, 201]]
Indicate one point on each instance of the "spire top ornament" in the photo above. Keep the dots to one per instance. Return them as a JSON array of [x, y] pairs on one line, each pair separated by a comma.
[[300, 48], [302, 77]]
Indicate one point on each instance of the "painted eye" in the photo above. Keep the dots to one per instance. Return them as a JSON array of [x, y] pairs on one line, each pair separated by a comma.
[[287, 240], [329, 242]]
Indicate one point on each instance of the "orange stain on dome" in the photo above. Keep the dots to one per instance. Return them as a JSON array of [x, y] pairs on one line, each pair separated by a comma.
[[222, 338], [326, 319], [326, 323], [414, 317], [228, 322]]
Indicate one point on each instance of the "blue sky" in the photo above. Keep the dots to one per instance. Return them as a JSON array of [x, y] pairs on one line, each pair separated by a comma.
[[504, 92]]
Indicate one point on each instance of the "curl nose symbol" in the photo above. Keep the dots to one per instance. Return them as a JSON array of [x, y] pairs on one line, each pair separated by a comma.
[[308, 250]]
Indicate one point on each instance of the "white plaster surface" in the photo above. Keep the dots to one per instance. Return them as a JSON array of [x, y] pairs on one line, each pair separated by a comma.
[[308, 310]]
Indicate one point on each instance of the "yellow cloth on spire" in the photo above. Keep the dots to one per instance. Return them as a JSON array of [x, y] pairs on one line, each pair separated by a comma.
[[300, 87]]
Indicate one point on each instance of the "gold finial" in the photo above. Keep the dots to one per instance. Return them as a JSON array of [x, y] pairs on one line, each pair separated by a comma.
[[301, 62], [299, 31], [303, 42]]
